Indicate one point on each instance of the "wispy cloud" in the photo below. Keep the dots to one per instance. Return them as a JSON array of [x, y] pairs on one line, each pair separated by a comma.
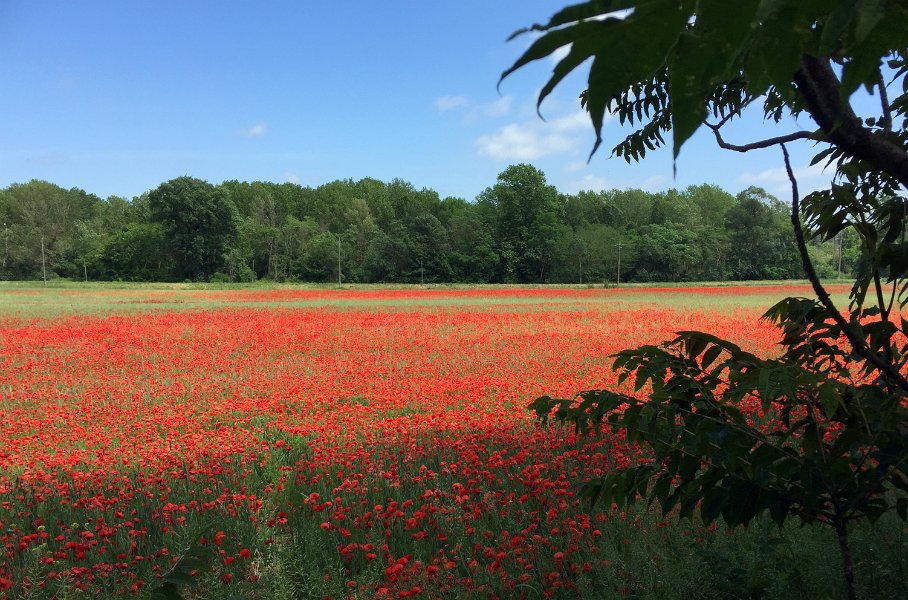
[[652, 183], [809, 177], [472, 110], [256, 131], [575, 121], [779, 175], [291, 177], [446, 103], [533, 139], [597, 183], [524, 141], [498, 108], [589, 182]]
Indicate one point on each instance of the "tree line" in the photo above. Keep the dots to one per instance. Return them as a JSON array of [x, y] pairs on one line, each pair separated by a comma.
[[519, 230]]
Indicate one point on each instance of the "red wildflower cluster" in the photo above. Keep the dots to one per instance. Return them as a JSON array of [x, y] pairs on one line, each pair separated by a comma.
[[395, 436]]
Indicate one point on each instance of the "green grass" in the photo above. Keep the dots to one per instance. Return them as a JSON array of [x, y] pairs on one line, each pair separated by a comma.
[[32, 300], [636, 556]]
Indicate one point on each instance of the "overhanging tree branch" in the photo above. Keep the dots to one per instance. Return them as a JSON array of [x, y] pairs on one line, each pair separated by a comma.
[[822, 92], [768, 52], [885, 121], [860, 347], [775, 141]]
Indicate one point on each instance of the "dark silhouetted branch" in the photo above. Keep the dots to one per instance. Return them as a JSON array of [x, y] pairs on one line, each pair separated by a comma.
[[860, 347]]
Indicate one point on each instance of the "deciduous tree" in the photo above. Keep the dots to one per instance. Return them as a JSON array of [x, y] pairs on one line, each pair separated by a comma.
[[838, 450], [199, 222]]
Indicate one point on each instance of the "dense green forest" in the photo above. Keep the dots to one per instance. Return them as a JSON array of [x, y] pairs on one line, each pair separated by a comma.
[[520, 230]]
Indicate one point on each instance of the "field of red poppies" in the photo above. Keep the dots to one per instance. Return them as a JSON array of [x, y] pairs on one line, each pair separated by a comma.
[[288, 443]]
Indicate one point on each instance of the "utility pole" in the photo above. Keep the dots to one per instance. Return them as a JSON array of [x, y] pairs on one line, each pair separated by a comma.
[[338, 261], [841, 245], [43, 263], [422, 278], [85, 269], [618, 273], [6, 246]]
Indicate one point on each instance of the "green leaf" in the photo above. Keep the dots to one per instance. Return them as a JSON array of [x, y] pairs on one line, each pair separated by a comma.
[[651, 30], [778, 508], [809, 441], [579, 52], [166, 591], [869, 15], [835, 27], [662, 487], [713, 502], [710, 356], [579, 12], [862, 68], [179, 577], [776, 47], [554, 40], [592, 492], [702, 59], [694, 346], [688, 506], [631, 421], [543, 406]]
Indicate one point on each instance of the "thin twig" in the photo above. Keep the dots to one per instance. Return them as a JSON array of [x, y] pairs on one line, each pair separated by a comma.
[[782, 139], [886, 119], [725, 119], [860, 348]]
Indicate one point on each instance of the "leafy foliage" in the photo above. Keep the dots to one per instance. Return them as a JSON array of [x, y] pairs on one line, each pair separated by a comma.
[[829, 442], [811, 446], [395, 233], [195, 559], [694, 59], [199, 219]]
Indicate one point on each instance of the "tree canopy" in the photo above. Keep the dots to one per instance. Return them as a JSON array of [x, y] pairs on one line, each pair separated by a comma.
[[693, 61], [835, 448], [519, 230], [199, 220]]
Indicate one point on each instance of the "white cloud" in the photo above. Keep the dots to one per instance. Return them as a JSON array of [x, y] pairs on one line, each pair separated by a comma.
[[534, 138], [291, 177], [652, 183], [579, 120], [257, 130], [597, 183], [472, 110], [525, 141], [779, 175], [499, 108], [588, 182], [809, 178], [446, 103]]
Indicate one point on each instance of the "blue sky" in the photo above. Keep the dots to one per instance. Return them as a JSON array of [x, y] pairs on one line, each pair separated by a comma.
[[116, 97]]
